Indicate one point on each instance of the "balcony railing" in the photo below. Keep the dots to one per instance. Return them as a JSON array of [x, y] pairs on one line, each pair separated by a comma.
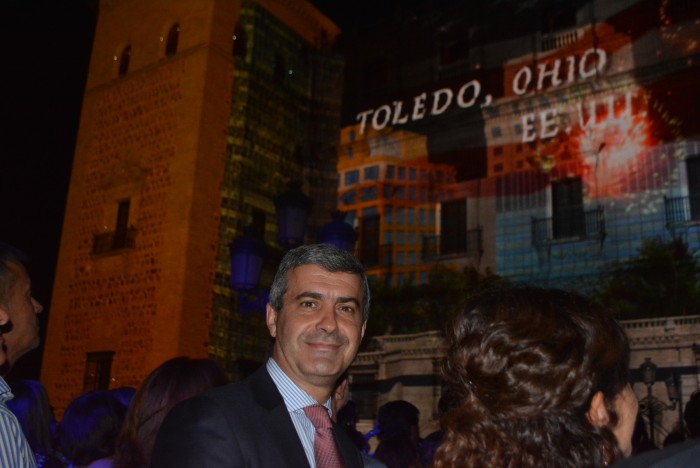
[[575, 227], [465, 243], [559, 40], [682, 210], [114, 240]]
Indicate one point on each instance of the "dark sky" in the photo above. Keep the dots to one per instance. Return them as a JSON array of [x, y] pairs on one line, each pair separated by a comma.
[[46, 47]]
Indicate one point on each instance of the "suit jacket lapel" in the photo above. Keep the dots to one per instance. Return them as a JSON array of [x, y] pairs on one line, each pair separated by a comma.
[[277, 418], [349, 452]]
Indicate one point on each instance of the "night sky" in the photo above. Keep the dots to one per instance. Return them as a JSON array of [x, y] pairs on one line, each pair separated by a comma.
[[46, 48]]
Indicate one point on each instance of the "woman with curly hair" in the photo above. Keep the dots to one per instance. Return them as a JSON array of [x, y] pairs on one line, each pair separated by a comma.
[[540, 378]]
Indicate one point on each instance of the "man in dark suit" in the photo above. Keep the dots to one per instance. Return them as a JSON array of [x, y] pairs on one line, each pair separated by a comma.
[[318, 310]]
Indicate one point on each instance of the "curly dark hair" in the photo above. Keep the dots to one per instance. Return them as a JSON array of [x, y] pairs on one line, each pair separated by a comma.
[[523, 365]]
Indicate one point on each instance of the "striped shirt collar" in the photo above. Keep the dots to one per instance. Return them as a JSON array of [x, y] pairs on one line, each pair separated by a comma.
[[5, 392], [294, 397]]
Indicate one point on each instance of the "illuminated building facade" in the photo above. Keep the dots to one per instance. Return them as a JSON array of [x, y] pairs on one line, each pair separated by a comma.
[[186, 136], [569, 125], [388, 183]]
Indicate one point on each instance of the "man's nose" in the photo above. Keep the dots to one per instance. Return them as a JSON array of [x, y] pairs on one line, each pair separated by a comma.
[[327, 321]]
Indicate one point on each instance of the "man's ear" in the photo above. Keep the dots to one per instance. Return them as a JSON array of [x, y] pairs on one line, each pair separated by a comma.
[[271, 319], [4, 315], [598, 413]]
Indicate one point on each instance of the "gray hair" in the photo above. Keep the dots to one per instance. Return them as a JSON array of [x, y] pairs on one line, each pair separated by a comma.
[[328, 257], [8, 278]]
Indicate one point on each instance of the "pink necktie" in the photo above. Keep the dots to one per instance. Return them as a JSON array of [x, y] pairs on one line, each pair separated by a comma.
[[325, 450]]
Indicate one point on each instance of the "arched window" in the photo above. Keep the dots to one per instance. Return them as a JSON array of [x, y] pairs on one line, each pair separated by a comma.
[[171, 44], [239, 42], [124, 61]]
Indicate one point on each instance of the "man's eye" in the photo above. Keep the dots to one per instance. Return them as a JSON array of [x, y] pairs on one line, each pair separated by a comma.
[[348, 309], [308, 304]]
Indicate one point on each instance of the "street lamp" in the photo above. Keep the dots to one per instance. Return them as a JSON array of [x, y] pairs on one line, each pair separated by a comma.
[[293, 210], [247, 253], [652, 405]]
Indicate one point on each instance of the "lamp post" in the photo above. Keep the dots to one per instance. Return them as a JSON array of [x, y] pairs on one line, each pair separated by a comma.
[[247, 253], [648, 369], [653, 405]]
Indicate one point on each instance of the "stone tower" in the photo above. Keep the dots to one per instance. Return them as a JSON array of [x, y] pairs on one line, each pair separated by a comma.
[[195, 115]]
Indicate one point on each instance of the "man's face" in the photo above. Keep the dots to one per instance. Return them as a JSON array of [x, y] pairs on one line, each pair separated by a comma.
[[22, 310], [319, 329]]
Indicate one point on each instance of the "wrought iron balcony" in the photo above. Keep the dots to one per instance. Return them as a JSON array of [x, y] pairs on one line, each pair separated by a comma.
[[453, 243], [682, 210], [114, 240], [573, 227]]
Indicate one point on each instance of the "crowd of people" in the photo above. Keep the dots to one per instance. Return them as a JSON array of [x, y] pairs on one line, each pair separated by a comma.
[[532, 377]]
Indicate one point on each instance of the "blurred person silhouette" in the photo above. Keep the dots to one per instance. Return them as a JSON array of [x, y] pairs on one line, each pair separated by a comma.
[[691, 415], [641, 442], [89, 428], [541, 379], [399, 435], [31, 406], [170, 383], [432, 441], [345, 414], [21, 329], [124, 395], [673, 437], [19, 333]]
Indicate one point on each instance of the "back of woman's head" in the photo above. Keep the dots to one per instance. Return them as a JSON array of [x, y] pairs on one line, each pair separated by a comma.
[[31, 406], [170, 383], [90, 426], [523, 365]]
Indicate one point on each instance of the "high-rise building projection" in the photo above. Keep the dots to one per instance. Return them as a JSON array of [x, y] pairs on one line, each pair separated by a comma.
[[569, 126]]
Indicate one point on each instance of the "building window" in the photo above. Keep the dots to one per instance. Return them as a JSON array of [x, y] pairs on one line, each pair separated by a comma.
[[98, 368], [496, 132], [567, 209], [389, 172], [497, 150], [498, 167], [124, 60], [412, 174], [348, 198], [372, 173], [368, 194], [400, 215], [692, 165], [352, 177], [239, 42], [173, 37], [402, 173], [453, 227], [122, 224], [388, 214], [123, 236]]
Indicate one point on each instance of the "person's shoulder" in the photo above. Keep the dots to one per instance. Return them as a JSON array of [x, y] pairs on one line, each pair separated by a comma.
[[684, 454]]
